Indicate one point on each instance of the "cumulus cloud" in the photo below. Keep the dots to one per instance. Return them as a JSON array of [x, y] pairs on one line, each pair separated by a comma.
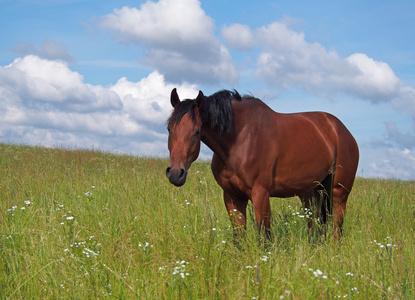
[[44, 102], [179, 39], [375, 80], [239, 36], [48, 83], [287, 59]]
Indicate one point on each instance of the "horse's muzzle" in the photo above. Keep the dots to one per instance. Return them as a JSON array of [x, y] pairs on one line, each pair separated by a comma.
[[176, 176]]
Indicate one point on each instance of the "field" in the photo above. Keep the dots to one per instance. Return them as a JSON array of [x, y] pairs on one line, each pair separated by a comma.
[[87, 225]]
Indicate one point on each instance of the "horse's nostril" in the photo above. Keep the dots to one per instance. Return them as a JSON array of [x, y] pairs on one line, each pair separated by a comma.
[[168, 171], [181, 173]]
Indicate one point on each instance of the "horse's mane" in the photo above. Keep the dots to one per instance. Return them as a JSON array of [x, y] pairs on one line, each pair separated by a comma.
[[217, 110]]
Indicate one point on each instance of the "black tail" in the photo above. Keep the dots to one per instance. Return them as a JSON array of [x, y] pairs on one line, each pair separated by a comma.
[[327, 198]]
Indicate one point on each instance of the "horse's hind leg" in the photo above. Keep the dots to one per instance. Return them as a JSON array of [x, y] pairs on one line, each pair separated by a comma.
[[340, 195], [341, 189]]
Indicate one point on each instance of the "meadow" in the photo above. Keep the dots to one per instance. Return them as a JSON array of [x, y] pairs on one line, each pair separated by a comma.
[[92, 225]]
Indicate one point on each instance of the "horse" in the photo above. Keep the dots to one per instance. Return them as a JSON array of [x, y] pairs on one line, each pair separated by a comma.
[[259, 153]]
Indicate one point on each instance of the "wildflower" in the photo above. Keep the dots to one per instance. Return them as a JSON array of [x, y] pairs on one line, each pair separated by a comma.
[[180, 269], [13, 208], [349, 274], [69, 218], [22, 208], [264, 258], [213, 229], [27, 202]]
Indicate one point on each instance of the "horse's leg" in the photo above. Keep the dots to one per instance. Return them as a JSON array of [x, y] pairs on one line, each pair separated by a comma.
[[237, 212], [342, 184], [340, 194], [262, 208]]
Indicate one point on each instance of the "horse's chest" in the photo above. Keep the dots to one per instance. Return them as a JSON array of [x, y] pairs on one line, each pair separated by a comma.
[[232, 182]]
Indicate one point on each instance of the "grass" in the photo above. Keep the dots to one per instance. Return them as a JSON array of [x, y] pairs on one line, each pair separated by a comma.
[[85, 224]]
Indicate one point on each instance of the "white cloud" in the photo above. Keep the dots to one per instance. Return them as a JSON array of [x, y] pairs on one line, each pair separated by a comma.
[[44, 102], [375, 80], [239, 36], [287, 59], [148, 100], [179, 38], [48, 83], [162, 23]]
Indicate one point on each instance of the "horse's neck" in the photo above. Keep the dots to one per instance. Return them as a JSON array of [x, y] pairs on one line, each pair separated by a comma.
[[217, 142]]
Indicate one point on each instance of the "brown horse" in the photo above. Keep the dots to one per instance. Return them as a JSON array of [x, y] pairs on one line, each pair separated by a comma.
[[259, 153]]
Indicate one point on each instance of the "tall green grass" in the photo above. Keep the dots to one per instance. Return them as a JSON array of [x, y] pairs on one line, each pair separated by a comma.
[[85, 224]]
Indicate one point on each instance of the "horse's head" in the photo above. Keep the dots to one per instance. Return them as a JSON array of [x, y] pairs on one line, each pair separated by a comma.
[[184, 126]]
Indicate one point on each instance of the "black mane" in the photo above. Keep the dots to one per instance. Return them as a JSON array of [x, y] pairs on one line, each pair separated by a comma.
[[217, 110]]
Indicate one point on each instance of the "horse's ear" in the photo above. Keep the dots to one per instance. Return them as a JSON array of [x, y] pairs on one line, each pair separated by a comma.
[[174, 98], [200, 100]]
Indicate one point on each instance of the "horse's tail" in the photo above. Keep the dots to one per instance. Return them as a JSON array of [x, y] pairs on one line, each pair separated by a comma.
[[327, 198]]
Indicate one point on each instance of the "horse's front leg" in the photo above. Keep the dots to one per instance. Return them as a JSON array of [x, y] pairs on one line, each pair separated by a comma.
[[262, 208], [237, 212]]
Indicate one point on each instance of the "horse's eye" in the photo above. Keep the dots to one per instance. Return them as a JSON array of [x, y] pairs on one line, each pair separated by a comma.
[[197, 132], [168, 129]]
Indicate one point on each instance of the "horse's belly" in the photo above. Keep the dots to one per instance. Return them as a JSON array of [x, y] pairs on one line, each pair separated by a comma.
[[291, 189], [297, 182]]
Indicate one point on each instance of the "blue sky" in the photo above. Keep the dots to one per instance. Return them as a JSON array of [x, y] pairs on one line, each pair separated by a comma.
[[77, 73]]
